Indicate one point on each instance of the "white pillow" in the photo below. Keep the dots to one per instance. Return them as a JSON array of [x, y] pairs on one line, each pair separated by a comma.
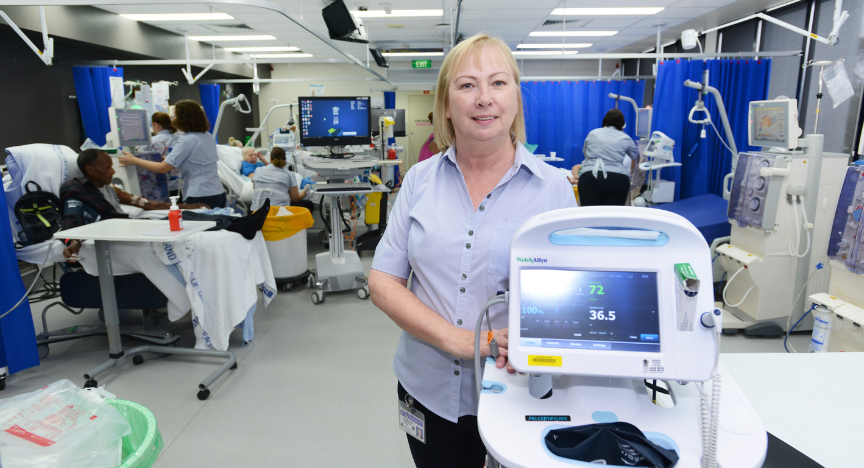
[[230, 155]]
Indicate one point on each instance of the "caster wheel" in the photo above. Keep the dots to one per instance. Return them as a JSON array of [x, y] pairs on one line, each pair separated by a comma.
[[324, 238], [90, 384], [102, 315], [234, 366], [203, 394], [312, 281], [363, 293], [316, 299], [3, 384], [287, 287], [137, 359], [43, 351]]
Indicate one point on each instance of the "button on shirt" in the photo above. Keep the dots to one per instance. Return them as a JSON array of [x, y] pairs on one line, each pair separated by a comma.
[[429, 231], [194, 155], [606, 147], [274, 183]]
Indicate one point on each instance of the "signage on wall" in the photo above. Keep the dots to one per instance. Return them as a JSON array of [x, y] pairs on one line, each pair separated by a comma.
[[316, 89], [421, 64]]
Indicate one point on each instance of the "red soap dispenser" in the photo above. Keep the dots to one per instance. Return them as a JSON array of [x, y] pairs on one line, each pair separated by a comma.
[[175, 216]]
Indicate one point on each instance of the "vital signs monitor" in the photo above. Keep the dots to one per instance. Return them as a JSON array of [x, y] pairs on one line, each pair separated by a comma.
[[613, 292]]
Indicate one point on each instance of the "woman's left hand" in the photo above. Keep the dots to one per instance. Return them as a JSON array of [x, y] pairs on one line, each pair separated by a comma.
[[127, 160]]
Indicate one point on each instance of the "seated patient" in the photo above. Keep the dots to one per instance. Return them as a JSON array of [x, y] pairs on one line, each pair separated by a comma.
[[94, 198], [252, 160], [278, 184]]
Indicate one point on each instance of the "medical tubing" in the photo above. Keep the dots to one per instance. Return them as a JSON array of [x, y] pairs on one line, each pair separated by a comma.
[[497, 299], [720, 138], [35, 280], [789, 330], [711, 424], [806, 223], [789, 317], [727, 287], [798, 227]]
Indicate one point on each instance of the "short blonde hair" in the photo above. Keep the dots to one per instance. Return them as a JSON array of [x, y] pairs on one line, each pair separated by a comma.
[[445, 136]]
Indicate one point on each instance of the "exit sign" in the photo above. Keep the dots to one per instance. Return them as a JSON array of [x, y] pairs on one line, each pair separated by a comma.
[[421, 64]]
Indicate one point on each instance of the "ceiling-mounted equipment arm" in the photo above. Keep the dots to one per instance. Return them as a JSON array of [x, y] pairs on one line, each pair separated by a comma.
[[840, 17], [632, 102], [236, 103], [47, 55]]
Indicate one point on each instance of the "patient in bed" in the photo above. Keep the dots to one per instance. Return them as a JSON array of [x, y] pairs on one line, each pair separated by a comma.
[[252, 160], [93, 198]]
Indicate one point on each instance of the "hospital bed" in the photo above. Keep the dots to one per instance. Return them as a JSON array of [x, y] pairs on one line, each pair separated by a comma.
[[52, 165], [230, 164]]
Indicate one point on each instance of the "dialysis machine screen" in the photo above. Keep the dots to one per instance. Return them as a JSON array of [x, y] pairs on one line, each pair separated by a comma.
[[334, 121], [133, 127], [584, 309], [643, 123], [774, 124]]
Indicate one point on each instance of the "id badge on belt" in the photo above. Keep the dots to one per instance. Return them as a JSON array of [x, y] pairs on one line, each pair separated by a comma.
[[411, 420]]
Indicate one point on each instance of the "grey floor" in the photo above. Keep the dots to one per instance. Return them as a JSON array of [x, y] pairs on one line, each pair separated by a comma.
[[314, 388]]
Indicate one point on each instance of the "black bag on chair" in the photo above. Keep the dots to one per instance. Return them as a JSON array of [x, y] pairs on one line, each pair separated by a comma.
[[39, 213]]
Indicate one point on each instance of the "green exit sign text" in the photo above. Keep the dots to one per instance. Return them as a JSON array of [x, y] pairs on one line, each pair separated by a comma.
[[421, 64]]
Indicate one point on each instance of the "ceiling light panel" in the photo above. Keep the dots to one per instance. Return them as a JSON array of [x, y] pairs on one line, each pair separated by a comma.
[[233, 38], [572, 33], [180, 17], [641, 11], [553, 46], [544, 52], [413, 54], [281, 55], [396, 13], [263, 49]]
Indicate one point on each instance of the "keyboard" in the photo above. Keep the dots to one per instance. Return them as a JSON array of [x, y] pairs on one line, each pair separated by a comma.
[[343, 187]]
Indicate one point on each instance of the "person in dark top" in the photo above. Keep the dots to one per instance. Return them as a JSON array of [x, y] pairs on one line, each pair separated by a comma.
[[93, 198]]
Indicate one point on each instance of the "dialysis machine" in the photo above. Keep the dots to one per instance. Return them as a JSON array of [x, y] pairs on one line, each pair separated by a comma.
[[658, 155], [604, 301], [130, 130], [781, 206], [845, 297]]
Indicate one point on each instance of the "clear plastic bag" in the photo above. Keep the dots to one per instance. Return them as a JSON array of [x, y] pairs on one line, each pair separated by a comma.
[[838, 84], [61, 426]]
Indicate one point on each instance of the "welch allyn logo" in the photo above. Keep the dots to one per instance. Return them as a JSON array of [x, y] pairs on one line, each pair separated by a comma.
[[531, 260]]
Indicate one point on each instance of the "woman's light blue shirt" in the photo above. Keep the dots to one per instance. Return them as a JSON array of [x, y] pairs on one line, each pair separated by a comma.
[[274, 183], [610, 145], [460, 257], [194, 155], [164, 141]]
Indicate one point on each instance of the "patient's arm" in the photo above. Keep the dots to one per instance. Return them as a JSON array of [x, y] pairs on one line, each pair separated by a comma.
[[132, 200]]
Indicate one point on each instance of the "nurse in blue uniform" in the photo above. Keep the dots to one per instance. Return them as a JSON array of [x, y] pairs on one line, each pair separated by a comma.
[[194, 155], [164, 138]]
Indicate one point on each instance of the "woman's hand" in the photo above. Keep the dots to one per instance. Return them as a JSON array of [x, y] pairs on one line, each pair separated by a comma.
[[127, 160], [462, 346]]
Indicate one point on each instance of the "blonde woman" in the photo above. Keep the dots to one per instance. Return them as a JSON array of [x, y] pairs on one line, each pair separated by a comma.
[[451, 225]]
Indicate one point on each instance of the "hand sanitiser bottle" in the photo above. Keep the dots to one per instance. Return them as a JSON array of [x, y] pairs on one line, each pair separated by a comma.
[[175, 216]]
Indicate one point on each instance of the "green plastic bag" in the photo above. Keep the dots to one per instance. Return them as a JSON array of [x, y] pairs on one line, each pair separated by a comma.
[[142, 447]]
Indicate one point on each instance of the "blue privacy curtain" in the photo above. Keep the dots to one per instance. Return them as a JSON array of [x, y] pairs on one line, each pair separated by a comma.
[[94, 98], [706, 161], [559, 115], [210, 102], [17, 335]]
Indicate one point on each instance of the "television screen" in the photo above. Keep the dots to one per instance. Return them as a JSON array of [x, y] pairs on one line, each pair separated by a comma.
[[334, 121]]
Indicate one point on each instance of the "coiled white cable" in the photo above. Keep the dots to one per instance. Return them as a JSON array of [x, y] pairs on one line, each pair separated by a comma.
[[727, 287], [710, 421]]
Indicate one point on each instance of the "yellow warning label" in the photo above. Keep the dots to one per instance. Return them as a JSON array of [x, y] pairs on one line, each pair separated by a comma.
[[814, 36], [548, 361]]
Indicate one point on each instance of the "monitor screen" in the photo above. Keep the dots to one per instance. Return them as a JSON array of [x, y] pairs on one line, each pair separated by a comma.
[[592, 310], [334, 121], [338, 19], [768, 123], [643, 123], [397, 114], [133, 127]]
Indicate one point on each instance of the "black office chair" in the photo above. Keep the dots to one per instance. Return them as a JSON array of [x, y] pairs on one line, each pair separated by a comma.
[[79, 290]]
